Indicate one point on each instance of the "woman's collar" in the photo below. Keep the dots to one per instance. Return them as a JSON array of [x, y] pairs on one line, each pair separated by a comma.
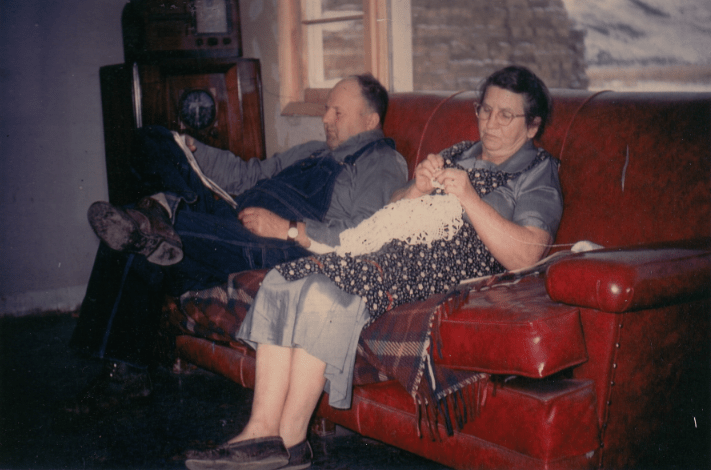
[[516, 162]]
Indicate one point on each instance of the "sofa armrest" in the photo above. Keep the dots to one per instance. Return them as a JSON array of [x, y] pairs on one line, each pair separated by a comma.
[[619, 280]]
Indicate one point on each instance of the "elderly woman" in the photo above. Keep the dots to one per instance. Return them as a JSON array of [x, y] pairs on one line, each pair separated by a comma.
[[307, 316]]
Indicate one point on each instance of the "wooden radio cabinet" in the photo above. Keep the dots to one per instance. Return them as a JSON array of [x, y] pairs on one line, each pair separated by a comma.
[[217, 101]]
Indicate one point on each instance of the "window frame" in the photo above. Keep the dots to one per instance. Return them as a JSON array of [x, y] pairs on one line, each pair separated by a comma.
[[296, 98]]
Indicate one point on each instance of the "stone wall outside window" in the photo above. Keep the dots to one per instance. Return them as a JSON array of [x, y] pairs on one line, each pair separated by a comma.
[[458, 43]]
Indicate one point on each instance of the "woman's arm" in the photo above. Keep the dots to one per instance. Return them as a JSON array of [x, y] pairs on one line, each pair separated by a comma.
[[513, 245]]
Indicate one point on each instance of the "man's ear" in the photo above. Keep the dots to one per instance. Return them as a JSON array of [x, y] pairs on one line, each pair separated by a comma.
[[373, 121]]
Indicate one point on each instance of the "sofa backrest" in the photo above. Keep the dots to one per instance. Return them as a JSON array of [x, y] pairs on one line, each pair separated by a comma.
[[636, 167]]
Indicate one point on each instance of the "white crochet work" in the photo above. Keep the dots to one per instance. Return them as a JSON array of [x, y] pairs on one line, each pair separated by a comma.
[[418, 221], [437, 184]]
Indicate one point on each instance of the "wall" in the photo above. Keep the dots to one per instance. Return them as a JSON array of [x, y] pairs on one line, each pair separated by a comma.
[[260, 41], [51, 146]]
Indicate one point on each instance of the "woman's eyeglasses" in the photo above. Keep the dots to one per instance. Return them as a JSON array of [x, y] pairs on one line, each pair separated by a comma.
[[503, 118]]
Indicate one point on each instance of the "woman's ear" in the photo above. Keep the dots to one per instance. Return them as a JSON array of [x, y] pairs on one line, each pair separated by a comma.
[[533, 127]]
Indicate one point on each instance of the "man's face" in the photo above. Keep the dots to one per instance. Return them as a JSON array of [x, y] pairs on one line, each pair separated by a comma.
[[347, 113]]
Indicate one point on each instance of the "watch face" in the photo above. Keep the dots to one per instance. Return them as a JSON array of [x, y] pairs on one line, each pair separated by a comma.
[[197, 109]]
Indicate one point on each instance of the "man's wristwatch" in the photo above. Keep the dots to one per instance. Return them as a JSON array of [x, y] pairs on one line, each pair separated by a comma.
[[293, 231]]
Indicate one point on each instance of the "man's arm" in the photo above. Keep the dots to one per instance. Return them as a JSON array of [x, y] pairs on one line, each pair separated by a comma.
[[266, 223], [360, 191], [235, 175]]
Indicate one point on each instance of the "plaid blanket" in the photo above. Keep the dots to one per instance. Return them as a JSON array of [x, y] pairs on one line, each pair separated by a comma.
[[217, 313], [400, 343]]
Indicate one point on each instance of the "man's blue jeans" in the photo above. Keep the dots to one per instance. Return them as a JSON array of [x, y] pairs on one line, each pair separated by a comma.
[[121, 310]]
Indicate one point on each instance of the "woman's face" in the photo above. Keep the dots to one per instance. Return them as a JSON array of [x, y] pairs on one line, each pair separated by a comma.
[[501, 142]]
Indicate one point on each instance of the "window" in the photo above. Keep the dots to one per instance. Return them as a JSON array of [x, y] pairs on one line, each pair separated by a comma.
[[334, 40], [321, 41]]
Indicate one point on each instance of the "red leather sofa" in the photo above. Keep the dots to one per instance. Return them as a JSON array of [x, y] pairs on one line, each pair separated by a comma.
[[587, 357]]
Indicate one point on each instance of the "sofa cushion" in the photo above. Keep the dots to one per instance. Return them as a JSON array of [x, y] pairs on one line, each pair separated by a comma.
[[510, 328]]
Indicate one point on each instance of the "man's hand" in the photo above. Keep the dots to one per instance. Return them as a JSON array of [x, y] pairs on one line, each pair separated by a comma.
[[190, 142], [264, 223]]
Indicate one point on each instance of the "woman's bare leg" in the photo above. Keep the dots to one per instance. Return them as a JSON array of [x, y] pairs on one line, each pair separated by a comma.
[[273, 373], [305, 387], [287, 388]]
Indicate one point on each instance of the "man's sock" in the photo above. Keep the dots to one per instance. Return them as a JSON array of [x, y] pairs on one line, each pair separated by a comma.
[[163, 201]]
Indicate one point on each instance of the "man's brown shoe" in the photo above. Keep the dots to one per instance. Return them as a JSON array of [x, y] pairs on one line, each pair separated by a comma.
[[145, 229]]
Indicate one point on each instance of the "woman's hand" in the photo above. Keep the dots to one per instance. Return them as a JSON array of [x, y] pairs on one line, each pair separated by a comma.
[[457, 182], [426, 171]]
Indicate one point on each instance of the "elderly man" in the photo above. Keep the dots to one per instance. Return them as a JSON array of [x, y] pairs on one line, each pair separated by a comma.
[[182, 237]]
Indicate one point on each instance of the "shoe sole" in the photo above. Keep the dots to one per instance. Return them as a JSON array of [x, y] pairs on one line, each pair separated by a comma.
[[296, 467], [115, 228], [121, 233], [166, 254], [271, 464]]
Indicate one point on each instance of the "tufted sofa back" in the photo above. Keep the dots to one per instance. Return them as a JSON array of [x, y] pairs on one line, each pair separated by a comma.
[[636, 167]]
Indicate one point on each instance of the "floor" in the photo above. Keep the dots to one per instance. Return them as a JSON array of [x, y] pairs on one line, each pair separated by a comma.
[[37, 372]]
